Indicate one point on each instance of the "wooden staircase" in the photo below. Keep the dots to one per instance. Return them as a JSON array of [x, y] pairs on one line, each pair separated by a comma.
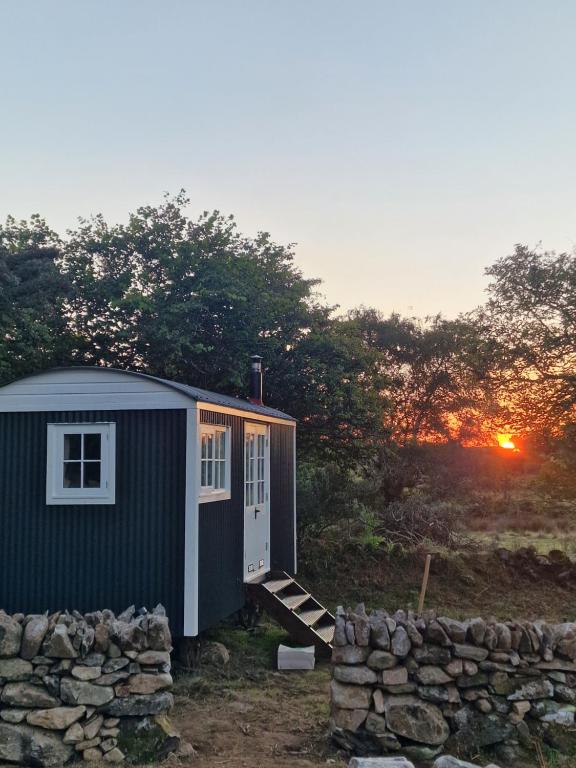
[[301, 615]]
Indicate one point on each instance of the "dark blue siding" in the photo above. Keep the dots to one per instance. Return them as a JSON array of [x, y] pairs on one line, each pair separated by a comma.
[[282, 527], [221, 539], [92, 557]]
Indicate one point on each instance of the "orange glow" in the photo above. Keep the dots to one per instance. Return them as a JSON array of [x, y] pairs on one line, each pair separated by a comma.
[[504, 441]]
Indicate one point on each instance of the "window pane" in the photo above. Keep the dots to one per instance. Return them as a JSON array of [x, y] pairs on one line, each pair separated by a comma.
[[209, 473], [260, 493], [72, 447], [203, 474], [92, 474], [72, 474], [92, 447]]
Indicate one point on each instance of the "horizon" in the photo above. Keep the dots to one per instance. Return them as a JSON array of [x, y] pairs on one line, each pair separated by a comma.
[[403, 149]]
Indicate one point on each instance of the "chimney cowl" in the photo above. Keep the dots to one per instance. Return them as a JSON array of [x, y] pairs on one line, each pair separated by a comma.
[[255, 380]]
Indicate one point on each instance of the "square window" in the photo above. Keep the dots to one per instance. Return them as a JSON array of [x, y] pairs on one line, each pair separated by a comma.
[[81, 464], [214, 462]]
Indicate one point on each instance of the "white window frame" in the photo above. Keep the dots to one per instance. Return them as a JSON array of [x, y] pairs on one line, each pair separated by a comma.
[[209, 493], [56, 493]]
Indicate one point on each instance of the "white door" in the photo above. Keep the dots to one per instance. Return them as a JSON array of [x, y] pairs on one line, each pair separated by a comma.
[[256, 501]]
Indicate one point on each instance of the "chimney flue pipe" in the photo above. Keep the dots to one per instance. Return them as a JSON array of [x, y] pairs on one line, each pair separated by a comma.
[[256, 380]]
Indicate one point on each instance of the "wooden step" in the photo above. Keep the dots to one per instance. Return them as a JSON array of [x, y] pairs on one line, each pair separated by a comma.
[[326, 633], [277, 585], [312, 616], [295, 601]]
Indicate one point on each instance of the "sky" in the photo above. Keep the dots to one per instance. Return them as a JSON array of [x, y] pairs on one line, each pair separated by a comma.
[[403, 145]]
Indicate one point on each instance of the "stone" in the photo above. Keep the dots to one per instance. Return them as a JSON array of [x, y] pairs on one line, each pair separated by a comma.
[[142, 683], [27, 695], [361, 625], [476, 730], [454, 668], [87, 744], [86, 673], [416, 720], [430, 675], [415, 637], [148, 740], [565, 694], [32, 746], [477, 631], [108, 744], [112, 678], [74, 734], [447, 761], [153, 658], [340, 627], [375, 724], [137, 706], [348, 719], [394, 676], [357, 675], [114, 756], [432, 654], [380, 762], [159, 637], [400, 644], [215, 654], [350, 696], [470, 667], [381, 660], [92, 755], [349, 654], [58, 645], [521, 708], [436, 634], [538, 688], [350, 633], [113, 665], [503, 637], [79, 692], [57, 718], [101, 638], [111, 722], [472, 681], [33, 636], [13, 715], [379, 633], [93, 726], [106, 733], [93, 660], [114, 651], [401, 688], [15, 669], [439, 694], [378, 700], [420, 752], [10, 636], [470, 652]]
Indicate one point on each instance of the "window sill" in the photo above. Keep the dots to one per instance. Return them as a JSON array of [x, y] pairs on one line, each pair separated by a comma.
[[79, 501], [206, 496]]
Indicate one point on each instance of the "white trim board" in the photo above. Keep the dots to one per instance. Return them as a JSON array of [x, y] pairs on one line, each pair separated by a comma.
[[247, 415], [191, 524]]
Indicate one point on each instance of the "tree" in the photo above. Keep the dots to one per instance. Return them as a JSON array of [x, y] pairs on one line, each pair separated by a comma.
[[192, 300], [437, 373], [531, 318], [32, 289]]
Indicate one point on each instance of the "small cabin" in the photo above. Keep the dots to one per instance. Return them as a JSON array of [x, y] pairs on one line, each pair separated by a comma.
[[119, 488]]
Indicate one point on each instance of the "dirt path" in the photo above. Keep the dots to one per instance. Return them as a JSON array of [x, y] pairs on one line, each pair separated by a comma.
[[280, 721]]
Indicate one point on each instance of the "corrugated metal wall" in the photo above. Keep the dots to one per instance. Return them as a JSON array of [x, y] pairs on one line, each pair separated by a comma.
[[92, 557], [282, 527], [221, 540]]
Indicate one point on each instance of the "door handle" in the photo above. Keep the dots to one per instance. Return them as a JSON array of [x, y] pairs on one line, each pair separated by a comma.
[[256, 510]]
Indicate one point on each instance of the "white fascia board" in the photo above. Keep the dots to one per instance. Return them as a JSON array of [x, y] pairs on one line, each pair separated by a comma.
[[245, 414], [130, 401], [191, 524]]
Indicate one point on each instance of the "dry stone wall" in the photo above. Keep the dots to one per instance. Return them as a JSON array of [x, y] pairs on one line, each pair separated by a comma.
[[80, 686], [422, 686]]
